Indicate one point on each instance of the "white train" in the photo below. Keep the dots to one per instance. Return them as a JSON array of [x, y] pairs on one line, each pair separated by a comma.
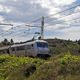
[[34, 48]]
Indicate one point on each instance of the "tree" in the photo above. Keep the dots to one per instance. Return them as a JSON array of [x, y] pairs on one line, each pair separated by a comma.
[[5, 42], [11, 41]]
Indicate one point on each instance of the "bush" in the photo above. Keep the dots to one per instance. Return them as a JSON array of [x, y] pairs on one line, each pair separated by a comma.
[[18, 68], [63, 67]]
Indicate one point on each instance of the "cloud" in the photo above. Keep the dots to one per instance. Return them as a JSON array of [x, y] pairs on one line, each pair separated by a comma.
[[67, 33], [64, 2], [25, 11], [1, 18], [4, 9], [72, 33], [77, 9], [22, 11]]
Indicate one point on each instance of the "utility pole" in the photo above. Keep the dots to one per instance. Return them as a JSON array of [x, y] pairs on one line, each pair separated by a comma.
[[42, 28]]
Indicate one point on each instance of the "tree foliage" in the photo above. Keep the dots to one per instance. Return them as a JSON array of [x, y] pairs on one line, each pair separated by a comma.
[[6, 42], [11, 41]]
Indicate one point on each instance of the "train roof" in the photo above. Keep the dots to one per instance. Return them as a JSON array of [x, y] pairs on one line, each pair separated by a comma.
[[32, 42], [3, 48], [40, 41]]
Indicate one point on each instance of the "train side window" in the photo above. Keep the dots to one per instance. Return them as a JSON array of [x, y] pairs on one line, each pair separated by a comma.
[[28, 47], [32, 45], [20, 48], [13, 49], [8, 51]]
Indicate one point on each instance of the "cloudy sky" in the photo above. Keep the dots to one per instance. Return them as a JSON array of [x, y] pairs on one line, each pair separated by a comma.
[[64, 25]]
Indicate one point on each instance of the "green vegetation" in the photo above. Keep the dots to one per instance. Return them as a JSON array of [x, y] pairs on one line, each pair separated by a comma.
[[64, 64], [58, 46], [17, 68], [61, 67]]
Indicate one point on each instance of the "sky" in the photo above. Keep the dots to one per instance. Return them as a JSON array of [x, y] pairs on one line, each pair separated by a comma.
[[22, 12]]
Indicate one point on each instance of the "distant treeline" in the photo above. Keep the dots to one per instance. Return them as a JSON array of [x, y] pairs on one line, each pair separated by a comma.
[[6, 42], [51, 42]]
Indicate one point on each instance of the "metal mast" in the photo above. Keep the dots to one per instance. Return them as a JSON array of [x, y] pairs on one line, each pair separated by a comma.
[[42, 28]]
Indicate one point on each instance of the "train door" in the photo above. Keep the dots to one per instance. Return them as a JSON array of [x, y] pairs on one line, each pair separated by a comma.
[[12, 50], [29, 50], [20, 50]]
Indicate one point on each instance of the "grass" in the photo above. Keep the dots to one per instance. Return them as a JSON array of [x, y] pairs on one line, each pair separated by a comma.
[[17, 68], [63, 66]]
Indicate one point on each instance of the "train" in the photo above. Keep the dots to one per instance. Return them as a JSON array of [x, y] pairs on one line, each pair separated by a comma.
[[36, 48]]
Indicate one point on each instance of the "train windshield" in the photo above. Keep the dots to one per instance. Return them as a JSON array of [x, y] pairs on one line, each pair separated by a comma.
[[41, 44]]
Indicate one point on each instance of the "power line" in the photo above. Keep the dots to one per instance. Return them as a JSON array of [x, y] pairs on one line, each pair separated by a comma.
[[12, 32], [47, 25], [64, 16], [32, 33], [28, 27], [62, 11], [45, 17], [19, 31], [68, 20], [35, 20], [61, 17], [56, 13]]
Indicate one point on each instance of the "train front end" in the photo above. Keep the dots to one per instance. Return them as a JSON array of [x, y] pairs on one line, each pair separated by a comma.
[[42, 48]]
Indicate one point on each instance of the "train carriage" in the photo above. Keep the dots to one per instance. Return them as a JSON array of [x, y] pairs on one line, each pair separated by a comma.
[[4, 50], [33, 48]]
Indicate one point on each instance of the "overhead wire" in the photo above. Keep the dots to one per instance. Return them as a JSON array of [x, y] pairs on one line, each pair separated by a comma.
[[56, 13], [63, 10], [67, 21], [61, 17], [50, 15]]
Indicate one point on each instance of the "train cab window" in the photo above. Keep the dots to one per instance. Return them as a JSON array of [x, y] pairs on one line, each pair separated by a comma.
[[41, 44]]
